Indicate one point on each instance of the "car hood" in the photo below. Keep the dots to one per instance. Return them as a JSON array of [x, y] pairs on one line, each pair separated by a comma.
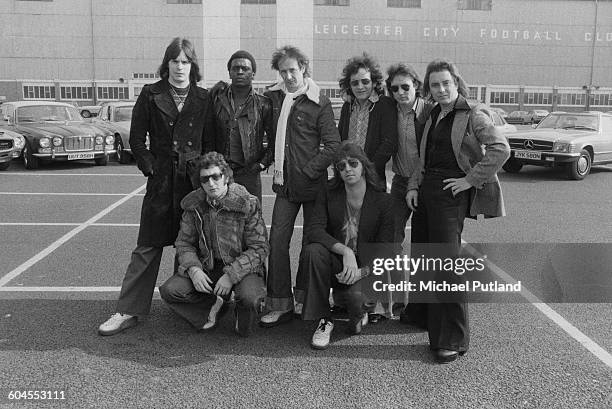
[[60, 129], [124, 124], [553, 135]]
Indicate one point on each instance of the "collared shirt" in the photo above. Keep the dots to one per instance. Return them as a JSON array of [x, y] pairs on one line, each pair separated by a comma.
[[407, 156], [360, 118], [235, 153]]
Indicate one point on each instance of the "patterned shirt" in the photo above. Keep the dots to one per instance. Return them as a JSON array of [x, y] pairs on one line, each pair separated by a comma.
[[360, 118]]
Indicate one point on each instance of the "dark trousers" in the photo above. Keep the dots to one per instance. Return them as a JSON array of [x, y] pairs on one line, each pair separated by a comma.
[[139, 281], [250, 180], [280, 297], [399, 188], [439, 219], [182, 297], [321, 266]]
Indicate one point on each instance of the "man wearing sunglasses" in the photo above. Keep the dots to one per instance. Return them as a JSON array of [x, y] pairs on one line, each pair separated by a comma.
[[221, 247], [404, 84], [242, 117]]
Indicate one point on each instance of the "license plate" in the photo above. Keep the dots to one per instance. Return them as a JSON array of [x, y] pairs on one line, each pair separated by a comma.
[[80, 155], [528, 155]]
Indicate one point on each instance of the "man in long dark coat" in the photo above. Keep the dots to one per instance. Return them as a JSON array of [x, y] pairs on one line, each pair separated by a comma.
[[176, 115]]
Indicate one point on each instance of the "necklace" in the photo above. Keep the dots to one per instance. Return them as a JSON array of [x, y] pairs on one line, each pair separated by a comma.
[[179, 99]]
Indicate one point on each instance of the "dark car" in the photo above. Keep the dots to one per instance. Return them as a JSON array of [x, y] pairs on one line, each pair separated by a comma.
[[56, 131], [537, 115], [575, 141], [519, 117]]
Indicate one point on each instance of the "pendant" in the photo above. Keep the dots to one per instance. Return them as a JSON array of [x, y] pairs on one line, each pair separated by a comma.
[[180, 106]]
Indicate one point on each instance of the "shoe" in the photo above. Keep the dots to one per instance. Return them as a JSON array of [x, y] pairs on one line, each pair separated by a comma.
[[357, 324], [445, 356], [376, 318], [116, 323], [273, 318], [321, 336], [214, 315], [297, 309], [244, 320]]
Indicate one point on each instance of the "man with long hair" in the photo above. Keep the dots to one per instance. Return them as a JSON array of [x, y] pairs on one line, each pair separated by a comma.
[[176, 115]]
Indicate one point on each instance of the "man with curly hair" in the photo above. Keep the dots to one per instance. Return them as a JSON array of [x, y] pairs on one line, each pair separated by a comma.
[[368, 117]]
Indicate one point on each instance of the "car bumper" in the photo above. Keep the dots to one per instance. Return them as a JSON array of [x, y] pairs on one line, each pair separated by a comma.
[[74, 155], [546, 158]]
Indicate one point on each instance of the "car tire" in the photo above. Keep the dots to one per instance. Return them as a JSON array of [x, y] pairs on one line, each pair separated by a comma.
[[512, 166], [581, 168], [123, 157], [29, 160], [5, 165], [103, 161]]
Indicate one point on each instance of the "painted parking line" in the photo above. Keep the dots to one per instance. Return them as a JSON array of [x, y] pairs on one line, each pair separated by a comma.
[[71, 174], [594, 348], [92, 225], [81, 194], [56, 244]]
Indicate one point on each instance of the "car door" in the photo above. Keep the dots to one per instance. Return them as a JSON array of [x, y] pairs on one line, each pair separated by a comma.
[[605, 150]]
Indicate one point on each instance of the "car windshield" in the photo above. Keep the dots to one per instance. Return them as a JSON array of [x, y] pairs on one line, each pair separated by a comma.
[[47, 113], [569, 121], [123, 113]]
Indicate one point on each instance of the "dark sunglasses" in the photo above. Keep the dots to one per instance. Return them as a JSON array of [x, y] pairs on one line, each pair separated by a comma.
[[364, 81], [405, 87], [353, 163], [215, 176]]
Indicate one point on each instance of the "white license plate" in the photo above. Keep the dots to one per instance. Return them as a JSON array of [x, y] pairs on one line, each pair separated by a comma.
[[80, 155], [528, 155]]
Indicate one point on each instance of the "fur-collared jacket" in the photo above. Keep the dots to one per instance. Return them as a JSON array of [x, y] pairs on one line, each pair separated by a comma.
[[238, 226]]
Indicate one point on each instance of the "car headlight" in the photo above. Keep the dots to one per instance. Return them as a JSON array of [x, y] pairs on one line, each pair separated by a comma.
[[19, 142], [562, 147], [99, 140], [57, 141], [110, 139], [44, 142]]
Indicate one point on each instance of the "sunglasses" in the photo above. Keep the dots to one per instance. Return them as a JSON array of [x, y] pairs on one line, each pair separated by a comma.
[[215, 177], [353, 163], [364, 81], [405, 87]]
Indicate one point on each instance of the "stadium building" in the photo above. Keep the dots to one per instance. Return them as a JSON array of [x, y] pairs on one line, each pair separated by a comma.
[[551, 54]]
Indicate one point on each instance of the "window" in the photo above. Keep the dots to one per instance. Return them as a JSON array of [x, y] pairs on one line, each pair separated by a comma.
[[473, 92], [145, 75], [406, 4], [601, 99], [76, 93], [184, 1], [571, 99], [257, 1], [113, 93], [38, 92], [331, 93], [537, 98], [498, 97], [332, 2], [36, 0], [474, 5]]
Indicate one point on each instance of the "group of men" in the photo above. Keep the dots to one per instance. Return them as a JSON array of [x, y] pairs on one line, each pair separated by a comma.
[[203, 166]]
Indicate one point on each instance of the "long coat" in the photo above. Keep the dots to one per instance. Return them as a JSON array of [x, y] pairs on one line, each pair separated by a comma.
[[480, 150], [176, 139]]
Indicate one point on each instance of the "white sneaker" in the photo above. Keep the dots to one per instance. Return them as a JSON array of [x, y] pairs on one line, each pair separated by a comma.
[[297, 310], [321, 336], [213, 314], [117, 323], [274, 318]]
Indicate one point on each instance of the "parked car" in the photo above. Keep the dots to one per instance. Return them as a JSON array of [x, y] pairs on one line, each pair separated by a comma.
[[575, 141], [501, 124], [537, 115], [55, 131], [500, 111], [89, 111], [11, 144], [519, 117], [116, 116]]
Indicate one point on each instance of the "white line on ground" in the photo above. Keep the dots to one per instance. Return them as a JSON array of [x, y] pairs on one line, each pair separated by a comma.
[[56, 244], [70, 174], [64, 194], [594, 348], [63, 289]]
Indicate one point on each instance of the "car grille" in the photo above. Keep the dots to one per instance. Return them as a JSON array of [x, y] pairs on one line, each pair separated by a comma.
[[537, 145], [78, 143], [4, 145]]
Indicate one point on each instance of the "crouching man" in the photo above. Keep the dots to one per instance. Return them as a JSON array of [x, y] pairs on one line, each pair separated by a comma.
[[221, 247]]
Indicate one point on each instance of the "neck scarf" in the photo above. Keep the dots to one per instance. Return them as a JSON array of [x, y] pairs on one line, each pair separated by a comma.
[[281, 130]]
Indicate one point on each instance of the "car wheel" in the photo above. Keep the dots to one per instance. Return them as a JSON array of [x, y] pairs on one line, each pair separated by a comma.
[[29, 160], [580, 169], [512, 166], [122, 156], [5, 165], [103, 161]]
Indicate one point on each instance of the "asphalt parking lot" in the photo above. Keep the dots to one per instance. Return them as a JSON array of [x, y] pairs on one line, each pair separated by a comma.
[[68, 230]]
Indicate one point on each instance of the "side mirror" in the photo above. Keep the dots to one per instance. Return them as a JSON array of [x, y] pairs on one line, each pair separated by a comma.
[[534, 125], [7, 118], [86, 114]]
